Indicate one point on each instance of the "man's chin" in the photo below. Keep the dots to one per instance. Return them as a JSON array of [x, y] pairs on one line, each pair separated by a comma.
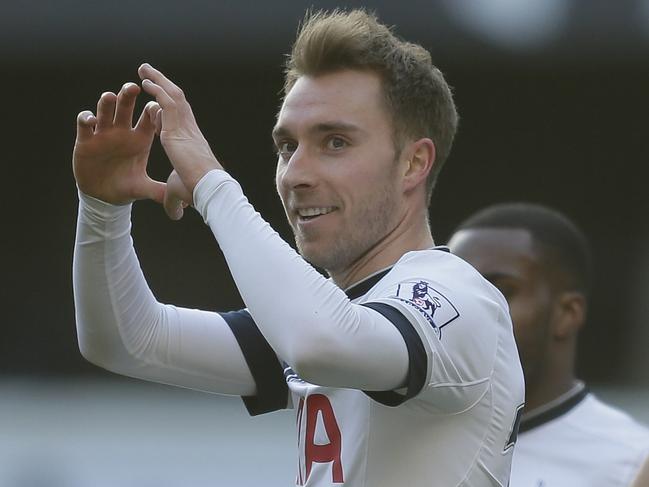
[[310, 255], [314, 257]]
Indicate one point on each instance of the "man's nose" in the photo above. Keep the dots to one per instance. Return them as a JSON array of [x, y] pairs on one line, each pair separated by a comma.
[[299, 171]]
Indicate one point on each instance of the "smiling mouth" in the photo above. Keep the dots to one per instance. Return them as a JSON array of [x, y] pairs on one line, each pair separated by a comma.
[[307, 214]]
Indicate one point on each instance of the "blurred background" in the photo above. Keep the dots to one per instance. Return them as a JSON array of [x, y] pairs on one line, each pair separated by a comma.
[[553, 98]]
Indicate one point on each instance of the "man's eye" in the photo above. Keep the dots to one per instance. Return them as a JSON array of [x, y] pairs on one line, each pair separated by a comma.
[[286, 149], [336, 143]]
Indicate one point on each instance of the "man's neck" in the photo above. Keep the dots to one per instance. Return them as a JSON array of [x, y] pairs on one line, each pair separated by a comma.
[[547, 392], [384, 254]]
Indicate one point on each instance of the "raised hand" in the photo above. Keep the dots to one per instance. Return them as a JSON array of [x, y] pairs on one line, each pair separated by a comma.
[[176, 197], [110, 155], [182, 140]]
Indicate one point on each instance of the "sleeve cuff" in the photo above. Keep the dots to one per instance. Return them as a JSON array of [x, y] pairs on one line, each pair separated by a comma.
[[272, 391], [100, 221], [207, 187]]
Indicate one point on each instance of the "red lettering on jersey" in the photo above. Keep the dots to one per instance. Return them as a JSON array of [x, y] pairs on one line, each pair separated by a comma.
[[329, 453], [300, 410]]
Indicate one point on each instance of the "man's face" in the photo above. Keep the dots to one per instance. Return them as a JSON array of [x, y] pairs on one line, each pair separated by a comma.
[[336, 172], [507, 258]]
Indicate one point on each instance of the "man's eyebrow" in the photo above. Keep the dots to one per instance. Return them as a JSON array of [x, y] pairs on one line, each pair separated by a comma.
[[279, 132], [335, 126], [323, 127]]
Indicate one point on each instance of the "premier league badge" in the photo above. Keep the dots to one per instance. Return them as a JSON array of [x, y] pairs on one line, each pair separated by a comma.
[[437, 310]]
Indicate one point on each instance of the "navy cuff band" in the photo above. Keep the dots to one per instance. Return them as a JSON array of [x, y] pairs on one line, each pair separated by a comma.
[[272, 391], [417, 359]]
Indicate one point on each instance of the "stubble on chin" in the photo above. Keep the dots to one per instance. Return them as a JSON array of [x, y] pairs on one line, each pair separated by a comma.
[[347, 246], [336, 256], [339, 251], [329, 258]]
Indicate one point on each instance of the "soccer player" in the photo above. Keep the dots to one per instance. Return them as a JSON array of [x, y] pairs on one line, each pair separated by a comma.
[[402, 365], [540, 261], [642, 479]]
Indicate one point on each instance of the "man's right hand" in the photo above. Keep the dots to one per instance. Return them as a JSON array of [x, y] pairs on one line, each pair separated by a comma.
[[110, 156]]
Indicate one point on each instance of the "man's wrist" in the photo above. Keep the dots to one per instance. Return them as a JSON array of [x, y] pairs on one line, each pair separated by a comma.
[[106, 219], [102, 205], [198, 173], [207, 187]]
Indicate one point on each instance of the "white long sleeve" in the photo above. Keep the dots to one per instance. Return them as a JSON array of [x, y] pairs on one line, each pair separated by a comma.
[[122, 327], [308, 320]]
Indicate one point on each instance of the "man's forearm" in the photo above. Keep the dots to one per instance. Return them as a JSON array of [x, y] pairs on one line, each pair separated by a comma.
[[123, 328]]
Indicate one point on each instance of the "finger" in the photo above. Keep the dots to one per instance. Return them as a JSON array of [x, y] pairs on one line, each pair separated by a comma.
[[168, 105], [146, 122], [155, 113], [125, 105], [176, 197], [154, 190], [86, 122], [158, 121], [106, 110], [146, 71], [174, 207]]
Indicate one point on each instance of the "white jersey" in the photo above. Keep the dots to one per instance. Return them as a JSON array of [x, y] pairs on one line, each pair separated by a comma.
[[579, 442], [430, 323], [454, 423]]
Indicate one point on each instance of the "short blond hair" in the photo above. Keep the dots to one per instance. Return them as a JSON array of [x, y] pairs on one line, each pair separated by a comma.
[[417, 97]]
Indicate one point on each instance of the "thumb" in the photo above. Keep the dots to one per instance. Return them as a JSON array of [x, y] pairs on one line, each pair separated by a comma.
[[154, 190], [174, 206], [176, 197]]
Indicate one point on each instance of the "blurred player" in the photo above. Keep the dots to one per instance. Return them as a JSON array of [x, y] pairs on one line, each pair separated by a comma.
[[540, 261], [402, 367], [642, 479]]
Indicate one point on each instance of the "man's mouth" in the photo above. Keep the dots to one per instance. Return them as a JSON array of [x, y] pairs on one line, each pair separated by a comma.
[[306, 214]]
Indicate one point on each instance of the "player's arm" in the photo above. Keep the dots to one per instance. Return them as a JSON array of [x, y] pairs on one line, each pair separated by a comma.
[[308, 321], [120, 324]]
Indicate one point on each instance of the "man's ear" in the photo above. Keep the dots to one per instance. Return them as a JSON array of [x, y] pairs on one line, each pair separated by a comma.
[[570, 314], [418, 162]]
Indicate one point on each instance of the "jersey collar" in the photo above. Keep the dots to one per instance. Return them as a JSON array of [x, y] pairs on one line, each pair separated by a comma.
[[362, 287], [555, 408]]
